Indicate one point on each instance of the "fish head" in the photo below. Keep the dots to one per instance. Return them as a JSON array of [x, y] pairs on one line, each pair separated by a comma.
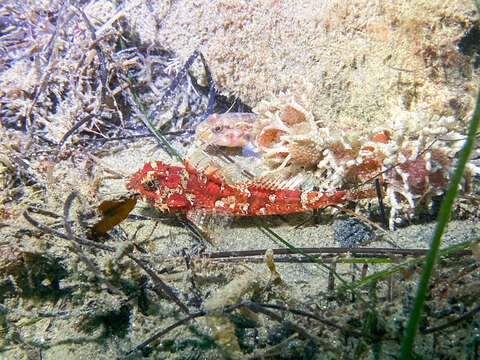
[[224, 130], [160, 185]]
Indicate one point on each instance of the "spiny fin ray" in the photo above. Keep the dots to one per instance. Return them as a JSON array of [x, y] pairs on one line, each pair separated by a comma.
[[273, 183]]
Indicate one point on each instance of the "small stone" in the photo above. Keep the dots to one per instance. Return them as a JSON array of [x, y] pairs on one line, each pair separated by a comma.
[[351, 232]]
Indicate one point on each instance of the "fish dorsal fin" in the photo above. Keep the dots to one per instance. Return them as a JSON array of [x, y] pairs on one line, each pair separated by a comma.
[[274, 182], [199, 161]]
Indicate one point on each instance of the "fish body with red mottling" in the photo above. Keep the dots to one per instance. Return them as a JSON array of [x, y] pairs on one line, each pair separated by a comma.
[[184, 190]]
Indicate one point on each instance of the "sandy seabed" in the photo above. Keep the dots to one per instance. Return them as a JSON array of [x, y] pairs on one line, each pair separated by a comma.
[[72, 133]]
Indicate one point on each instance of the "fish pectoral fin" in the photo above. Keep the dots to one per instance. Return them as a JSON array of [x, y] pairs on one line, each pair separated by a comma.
[[209, 222]]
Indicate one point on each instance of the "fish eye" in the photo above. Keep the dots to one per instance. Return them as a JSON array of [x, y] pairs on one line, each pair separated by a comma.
[[217, 129], [149, 185]]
